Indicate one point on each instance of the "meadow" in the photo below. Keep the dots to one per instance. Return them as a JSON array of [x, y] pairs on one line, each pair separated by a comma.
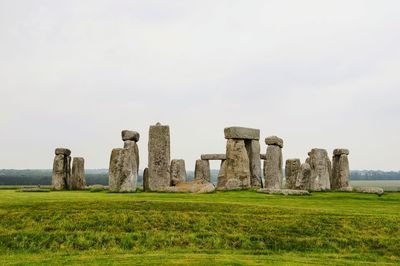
[[223, 228]]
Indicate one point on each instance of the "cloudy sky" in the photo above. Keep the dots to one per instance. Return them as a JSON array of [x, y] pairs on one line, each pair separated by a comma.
[[317, 73]]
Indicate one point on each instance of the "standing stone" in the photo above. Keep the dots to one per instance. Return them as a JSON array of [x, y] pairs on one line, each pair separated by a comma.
[[273, 163], [222, 175], [340, 169], [159, 157], [146, 179], [61, 169], [253, 152], [133, 147], [237, 166], [320, 169], [202, 170], [122, 171], [303, 180], [78, 174], [178, 171], [292, 169]]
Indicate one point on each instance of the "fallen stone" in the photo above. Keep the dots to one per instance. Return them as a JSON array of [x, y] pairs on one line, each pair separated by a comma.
[[77, 180], [63, 151], [122, 171], [346, 189], [283, 191], [130, 135], [178, 171], [241, 133], [274, 140], [215, 157], [196, 186], [159, 157], [370, 190], [292, 169], [202, 170]]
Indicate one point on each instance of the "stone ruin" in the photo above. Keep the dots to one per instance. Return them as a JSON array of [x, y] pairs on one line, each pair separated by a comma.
[[62, 177], [292, 169], [124, 164], [242, 167], [321, 169]]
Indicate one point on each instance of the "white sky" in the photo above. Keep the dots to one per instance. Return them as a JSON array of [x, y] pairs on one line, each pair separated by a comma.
[[316, 73]]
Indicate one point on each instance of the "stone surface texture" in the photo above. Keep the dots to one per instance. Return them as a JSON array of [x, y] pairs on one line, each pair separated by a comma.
[[320, 169], [63, 151], [370, 190], [340, 169], [195, 186], [283, 191], [177, 171], [241, 133], [159, 157], [146, 179], [134, 149], [253, 152], [122, 171], [292, 169], [77, 180]]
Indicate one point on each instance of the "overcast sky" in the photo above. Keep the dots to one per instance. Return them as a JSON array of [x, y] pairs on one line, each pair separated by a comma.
[[317, 73]]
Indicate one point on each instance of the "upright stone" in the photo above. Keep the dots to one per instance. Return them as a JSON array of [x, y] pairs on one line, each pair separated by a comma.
[[134, 149], [146, 179], [303, 180], [122, 171], [202, 170], [222, 175], [273, 163], [237, 166], [78, 174], [178, 171], [159, 157], [292, 169], [61, 169], [320, 169], [340, 169], [253, 152]]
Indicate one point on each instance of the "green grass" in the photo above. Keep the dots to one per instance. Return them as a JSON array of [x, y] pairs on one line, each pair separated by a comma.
[[226, 228]]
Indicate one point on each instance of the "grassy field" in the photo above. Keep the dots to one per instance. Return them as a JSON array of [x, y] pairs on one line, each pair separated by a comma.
[[226, 228]]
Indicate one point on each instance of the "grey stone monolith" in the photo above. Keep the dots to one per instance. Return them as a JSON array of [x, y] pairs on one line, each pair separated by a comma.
[[146, 179], [237, 167], [159, 157], [61, 169], [202, 170], [320, 169], [340, 169], [292, 168], [122, 171], [77, 180], [273, 163], [303, 180], [177, 171], [253, 152], [134, 149]]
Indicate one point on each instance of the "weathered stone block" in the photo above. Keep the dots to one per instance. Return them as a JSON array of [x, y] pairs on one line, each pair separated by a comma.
[[292, 169], [320, 169], [122, 171], [253, 152], [133, 147], [341, 151], [178, 171], [241, 133], [303, 180], [340, 170], [159, 157], [77, 180], [130, 135], [63, 151], [202, 170], [61, 172], [274, 140], [273, 167]]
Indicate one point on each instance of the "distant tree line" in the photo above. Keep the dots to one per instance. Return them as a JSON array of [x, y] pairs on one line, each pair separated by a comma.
[[100, 176]]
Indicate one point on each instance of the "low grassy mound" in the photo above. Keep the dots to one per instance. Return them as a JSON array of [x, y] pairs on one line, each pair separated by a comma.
[[240, 227]]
